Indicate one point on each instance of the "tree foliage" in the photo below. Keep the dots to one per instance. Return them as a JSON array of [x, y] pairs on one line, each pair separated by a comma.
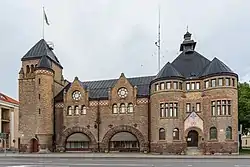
[[244, 106]]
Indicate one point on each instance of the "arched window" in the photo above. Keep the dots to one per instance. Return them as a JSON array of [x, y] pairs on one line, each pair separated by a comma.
[[213, 133], [115, 109], [84, 110], [130, 108], [69, 111], [122, 108], [176, 134], [229, 132], [76, 110], [161, 134], [32, 68], [27, 69]]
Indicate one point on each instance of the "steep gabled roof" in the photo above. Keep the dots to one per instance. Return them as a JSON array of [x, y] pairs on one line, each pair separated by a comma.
[[168, 71], [99, 89], [190, 64], [40, 49], [45, 62], [216, 67], [8, 99]]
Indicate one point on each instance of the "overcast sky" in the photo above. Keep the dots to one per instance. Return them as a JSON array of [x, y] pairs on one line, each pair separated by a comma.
[[99, 39]]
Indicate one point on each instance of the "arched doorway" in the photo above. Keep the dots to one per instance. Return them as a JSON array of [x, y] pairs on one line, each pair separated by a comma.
[[77, 142], [34, 145], [124, 142], [192, 138]]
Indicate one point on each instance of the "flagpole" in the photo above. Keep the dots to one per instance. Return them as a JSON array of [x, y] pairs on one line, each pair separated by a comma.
[[43, 22]]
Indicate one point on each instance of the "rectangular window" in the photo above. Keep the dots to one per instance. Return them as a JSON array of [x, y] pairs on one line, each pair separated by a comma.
[[188, 107], [180, 85], [168, 85], [206, 84], [223, 107], [192, 85], [162, 110], [166, 110], [171, 109], [197, 85], [188, 86], [175, 110], [175, 85], [162, 86], [198, 107], [213, 83], [218, 107], [220, 83], [156, 87], [233, 82], [227, 81], [228, 107], [213, 108]]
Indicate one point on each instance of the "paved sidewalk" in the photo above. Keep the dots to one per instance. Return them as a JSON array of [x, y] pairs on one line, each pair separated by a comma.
[[120, 155]]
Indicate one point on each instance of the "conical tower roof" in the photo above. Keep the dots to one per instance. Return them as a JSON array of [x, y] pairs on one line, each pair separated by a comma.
[[216, 67]]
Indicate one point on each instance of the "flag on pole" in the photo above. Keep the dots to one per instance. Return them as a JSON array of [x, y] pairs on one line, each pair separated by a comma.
[[45, 17]]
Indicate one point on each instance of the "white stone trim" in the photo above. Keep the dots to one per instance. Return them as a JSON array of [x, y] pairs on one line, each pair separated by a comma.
[[142, 101], [59, 105]]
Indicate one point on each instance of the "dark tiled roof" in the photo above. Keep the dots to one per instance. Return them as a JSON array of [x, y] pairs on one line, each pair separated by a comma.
[[168, 71], [216, 67], [190, 64], [45, 62], [99, 89], [40, 49]]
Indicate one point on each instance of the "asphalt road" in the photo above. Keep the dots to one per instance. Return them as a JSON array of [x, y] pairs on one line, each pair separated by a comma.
[[78, 162]]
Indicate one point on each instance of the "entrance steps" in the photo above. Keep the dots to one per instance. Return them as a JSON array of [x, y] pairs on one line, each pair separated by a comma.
[[193, 151]]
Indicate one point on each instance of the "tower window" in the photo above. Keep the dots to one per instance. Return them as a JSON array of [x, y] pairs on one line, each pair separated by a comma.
[[39, 111], [39, 81], [39, 96]]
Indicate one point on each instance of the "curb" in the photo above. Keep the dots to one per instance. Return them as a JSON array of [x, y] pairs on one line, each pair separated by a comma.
[[123, 157]]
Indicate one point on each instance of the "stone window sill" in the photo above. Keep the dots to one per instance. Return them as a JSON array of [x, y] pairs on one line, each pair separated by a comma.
[[229, 140], [177, 141]]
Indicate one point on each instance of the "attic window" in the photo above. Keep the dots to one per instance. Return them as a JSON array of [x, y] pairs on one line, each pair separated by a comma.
[[188, 86], [227, 81], [162, 86], [156, 87]]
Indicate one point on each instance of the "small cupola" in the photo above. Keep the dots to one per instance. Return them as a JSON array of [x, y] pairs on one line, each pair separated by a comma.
[[188, 45]]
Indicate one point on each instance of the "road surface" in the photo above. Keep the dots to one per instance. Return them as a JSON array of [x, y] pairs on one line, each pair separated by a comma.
[[79, 162]]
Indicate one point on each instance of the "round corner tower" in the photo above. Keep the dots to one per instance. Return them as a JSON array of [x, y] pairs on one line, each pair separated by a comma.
[[44, 81]]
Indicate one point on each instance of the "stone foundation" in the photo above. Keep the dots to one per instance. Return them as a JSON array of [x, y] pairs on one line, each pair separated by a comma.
[[223, 147], [169, 148]]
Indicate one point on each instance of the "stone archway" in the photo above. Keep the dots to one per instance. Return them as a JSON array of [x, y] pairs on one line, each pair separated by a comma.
[[69, 131], [194, 137], [124, 128]]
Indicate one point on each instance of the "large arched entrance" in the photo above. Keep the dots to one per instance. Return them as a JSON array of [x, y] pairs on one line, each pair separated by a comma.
[[124, 142], [124, 132], [78, 137], [192, 138], [77, 142], [34, 145]]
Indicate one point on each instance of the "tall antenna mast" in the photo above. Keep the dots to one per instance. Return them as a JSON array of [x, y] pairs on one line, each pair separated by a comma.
[[158, 43]]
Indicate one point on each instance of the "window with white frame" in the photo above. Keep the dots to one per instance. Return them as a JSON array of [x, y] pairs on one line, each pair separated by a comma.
[[227, 81], [175, 84], [130, 108], [84, 110], [198, 107], [192, 85], [206, 84], [168, 110], [156, 87]]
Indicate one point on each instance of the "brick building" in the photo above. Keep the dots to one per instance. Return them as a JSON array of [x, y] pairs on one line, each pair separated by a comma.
[[191, 102], [9, 113]]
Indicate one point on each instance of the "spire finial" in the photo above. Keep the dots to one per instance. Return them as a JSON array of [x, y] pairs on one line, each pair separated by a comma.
[[187, 28]]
